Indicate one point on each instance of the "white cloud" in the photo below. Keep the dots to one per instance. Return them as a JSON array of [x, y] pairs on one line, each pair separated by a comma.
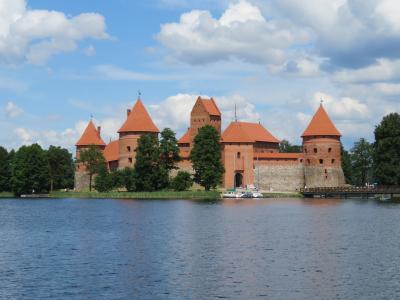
[[13, 110], [341, 108], [116, 73], [241, 32], [35, 35]]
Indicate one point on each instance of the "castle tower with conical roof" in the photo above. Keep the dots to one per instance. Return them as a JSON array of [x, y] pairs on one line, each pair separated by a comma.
[[322, 152], [90, 137], [138, 122]]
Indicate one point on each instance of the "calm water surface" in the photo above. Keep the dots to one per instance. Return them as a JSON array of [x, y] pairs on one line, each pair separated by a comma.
[[235, 249]]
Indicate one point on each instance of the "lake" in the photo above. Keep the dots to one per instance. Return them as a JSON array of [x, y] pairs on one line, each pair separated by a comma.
[[177, 249]]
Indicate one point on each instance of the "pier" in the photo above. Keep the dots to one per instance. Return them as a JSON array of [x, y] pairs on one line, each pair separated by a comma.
[[351, 192]]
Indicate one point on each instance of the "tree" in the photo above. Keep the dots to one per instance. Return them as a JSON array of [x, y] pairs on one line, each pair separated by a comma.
[[104, 181], [182, 181], [61, 166], [286, 147], [169, 150], [93, 160], [206, 158], [31, 170], [5, 171], [346, 165], [149, 173], [125, 178], [387, 150], [361, 162]]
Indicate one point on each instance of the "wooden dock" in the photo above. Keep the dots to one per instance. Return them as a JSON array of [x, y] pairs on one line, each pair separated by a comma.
[[351, 192]]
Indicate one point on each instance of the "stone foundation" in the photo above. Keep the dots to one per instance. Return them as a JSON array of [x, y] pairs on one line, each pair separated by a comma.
[[324, 176], [279, 177]]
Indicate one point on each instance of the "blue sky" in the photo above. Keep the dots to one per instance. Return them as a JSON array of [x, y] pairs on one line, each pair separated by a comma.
[[62, 61]]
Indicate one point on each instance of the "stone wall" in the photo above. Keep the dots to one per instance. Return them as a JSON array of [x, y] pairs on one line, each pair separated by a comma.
[[285, 177], [82, 181], [323, 176]]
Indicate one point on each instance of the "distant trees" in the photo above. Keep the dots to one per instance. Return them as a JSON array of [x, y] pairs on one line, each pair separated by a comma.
[[169, 150], [31, 170], [93, 160], [5, 171], [206, 158], [387, 150], [61, 168], [346, 165], [286, 147], [361, 162]]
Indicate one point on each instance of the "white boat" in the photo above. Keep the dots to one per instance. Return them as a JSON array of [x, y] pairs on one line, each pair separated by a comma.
[[257, 194], [231, 194]]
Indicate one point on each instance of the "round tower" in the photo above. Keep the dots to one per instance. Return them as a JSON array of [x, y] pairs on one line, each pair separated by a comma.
[[138, 122], [90, 137], [322, 152]]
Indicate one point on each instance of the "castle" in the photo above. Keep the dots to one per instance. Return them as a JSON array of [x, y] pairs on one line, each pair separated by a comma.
[[250, 153]]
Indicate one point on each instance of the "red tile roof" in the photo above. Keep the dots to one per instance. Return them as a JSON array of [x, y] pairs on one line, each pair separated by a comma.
[[321, 124], [243, 132], [278, 155], [210, 106], [185, 139], [139, 120], [90, 137], [111, 152]]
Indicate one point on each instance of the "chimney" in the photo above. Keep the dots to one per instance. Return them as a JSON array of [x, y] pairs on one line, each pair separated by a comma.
[[128, 112], [99, 130]]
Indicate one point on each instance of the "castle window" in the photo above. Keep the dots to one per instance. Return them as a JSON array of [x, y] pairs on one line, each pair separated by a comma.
[[333, 160], [315, 150], [301, 160], [330, 150], [130, 159], [321, 161], [128, 148], [305, 149], [238, 155], [308, 161], [326, 171]]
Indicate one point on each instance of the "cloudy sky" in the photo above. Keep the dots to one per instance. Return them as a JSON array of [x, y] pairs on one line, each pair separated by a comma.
[[63, 61]]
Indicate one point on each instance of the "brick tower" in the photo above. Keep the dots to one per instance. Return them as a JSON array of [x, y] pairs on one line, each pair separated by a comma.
[[204, 112], [138, 122], [322, 152], [91, 136]]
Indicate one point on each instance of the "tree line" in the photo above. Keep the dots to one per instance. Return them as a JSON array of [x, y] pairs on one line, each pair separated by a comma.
[[155, 159], [32, 169], [376, 162]]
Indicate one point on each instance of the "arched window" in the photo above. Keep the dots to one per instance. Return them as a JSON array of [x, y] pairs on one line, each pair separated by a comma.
[[321, 161], [329, 150], [238, 155], [315, 150], [333, 160]]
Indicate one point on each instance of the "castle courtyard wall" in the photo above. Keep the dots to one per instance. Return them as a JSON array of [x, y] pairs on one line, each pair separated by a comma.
[[285, 177]]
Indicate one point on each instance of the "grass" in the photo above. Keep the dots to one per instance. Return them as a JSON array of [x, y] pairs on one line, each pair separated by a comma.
[[139, 195], [283, 195], [6, 195]]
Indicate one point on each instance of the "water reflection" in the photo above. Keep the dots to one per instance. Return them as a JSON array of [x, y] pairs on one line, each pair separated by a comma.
[[237, 249]]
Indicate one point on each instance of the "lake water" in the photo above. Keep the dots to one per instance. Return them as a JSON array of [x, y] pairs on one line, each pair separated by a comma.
[[235, 249]]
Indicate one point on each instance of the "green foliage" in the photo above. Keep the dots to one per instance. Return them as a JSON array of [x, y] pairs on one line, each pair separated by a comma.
[[286, 147], [169, 150], [5, 171], [346, 165], [206, 158], [182, 181], [93, 159], [104, 181], [126, 178], [31, 171], [61, 167], [387, 150], [361, 162], [149, 173]]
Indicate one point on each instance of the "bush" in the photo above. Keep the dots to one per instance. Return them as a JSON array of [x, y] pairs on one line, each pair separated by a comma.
[[182, 181], [127, 179], [104, 181]]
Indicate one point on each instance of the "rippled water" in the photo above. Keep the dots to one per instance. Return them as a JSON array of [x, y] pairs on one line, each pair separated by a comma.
[[236, 249]]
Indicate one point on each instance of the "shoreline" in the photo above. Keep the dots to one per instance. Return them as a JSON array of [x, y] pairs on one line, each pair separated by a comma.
[[159, 195]]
